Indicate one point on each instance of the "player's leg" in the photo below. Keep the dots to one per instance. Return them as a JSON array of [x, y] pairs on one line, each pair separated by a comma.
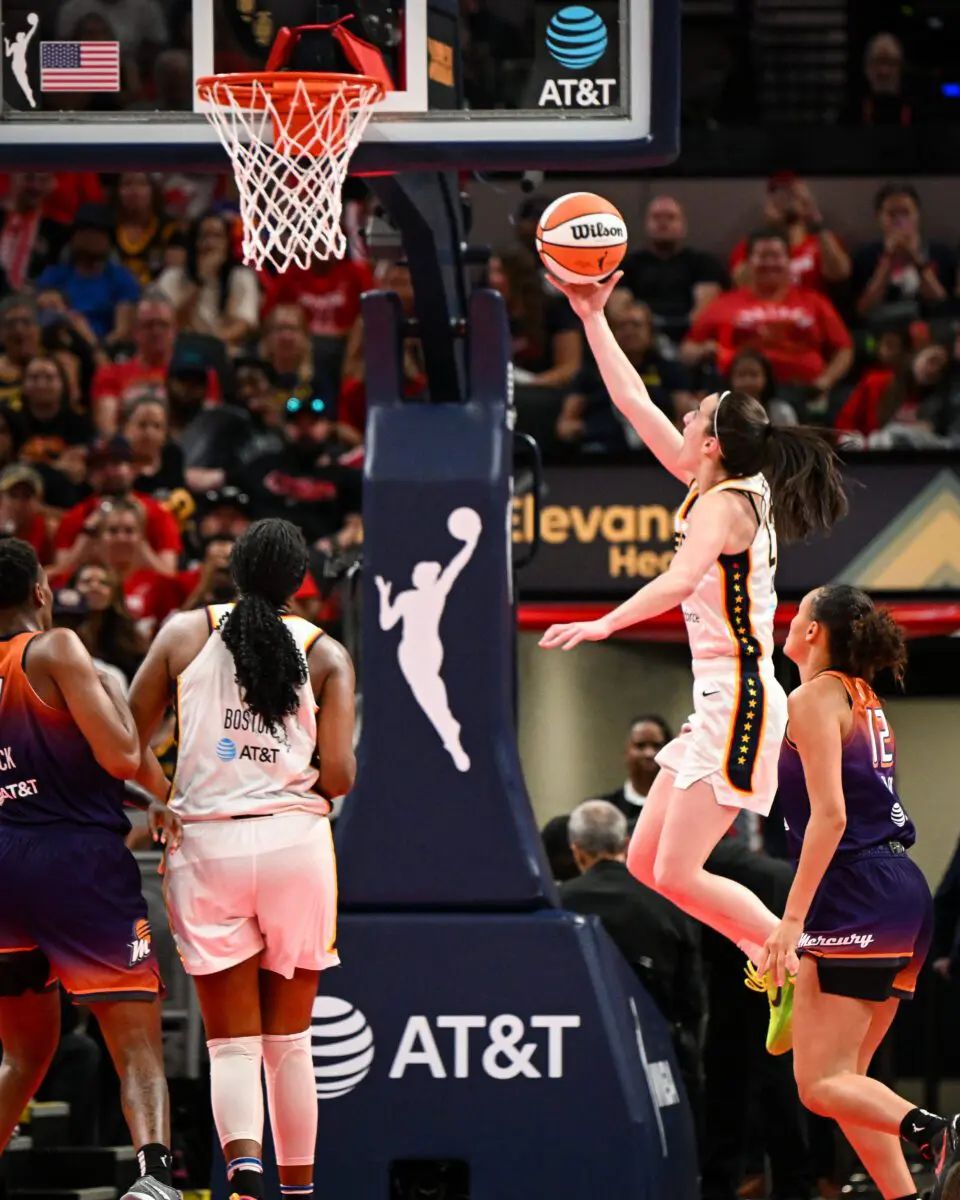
[[297, 906], [29, 1032], [132, 1032], [230, 1005], [642, 852], [835, 1037], [693, 825], [286, 1005]]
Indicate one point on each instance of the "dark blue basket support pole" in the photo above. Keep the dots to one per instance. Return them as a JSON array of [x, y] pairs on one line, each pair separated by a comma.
[[471, 1020]]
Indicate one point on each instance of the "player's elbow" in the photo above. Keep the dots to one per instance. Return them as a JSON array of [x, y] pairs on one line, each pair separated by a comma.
[[337, 777], [122, 762]]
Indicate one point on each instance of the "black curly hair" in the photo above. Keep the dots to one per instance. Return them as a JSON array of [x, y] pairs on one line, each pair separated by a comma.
[[19, 572], [268, 563]]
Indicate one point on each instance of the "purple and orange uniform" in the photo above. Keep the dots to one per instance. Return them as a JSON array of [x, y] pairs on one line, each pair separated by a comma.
[[873, 907], [71, 909]]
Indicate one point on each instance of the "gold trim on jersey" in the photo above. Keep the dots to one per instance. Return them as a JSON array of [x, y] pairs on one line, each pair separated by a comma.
[[749, 715]]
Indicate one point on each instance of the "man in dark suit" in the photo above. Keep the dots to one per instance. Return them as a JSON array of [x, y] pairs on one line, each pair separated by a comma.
[[649, 733], [661, 944]]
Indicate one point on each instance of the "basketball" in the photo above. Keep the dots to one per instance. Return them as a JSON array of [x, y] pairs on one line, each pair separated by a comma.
[[581, 238], [464, 524]]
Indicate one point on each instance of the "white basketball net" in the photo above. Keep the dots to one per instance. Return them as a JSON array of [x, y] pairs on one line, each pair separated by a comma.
[[291, 165]]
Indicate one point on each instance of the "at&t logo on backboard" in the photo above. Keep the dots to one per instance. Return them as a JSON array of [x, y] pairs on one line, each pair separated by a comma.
[[580, 66]]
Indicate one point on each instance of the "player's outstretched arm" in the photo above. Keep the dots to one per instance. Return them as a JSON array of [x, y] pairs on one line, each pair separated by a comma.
[[625, 387], [333, 681], [707, 534], [95, 702]]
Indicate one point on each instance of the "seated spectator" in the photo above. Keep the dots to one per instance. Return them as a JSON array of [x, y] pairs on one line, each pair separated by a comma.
[[68, 337], [909, 406], [69, 190], [648, 735], [590, 419], [107, 629], [154, 335], [29, 241], [661, 943], [900, 268], [110, 475], [256, 391], [213, 293], [51, 427], [305, 483], [21, 510], [287, 349], [751, 372], [209, 434], [798, 330], [675, 280], [880, 97], [547, 342], [157, 460], [210, 582], [119, 544], [141, 231], [19, 343], [329, 294], [556, 846], [816, 256], [96, 286]]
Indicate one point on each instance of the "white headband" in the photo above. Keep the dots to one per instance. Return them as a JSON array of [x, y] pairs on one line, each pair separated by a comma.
[[716, 413]]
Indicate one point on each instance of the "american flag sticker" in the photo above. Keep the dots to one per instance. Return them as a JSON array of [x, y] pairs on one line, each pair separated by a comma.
[[79, 66]]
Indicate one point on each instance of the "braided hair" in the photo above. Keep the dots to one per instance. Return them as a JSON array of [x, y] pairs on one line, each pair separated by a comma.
[[268, 563], [19, 572]]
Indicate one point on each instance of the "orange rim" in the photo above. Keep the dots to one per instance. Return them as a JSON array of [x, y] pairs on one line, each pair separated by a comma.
[[244, 88]]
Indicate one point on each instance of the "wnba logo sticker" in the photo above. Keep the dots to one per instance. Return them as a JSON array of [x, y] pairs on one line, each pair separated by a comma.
[[341, 1043]]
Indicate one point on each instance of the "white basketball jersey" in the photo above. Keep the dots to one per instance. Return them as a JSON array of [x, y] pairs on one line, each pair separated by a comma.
[[730, 615], [229, 764]]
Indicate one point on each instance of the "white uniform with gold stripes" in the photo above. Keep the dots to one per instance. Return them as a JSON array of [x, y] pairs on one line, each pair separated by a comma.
[[256, 871], [740, 711]]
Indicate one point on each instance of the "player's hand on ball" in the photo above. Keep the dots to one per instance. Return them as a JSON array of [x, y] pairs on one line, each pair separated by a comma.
[[780, 951], [565, 637], [588, 299], [165, 826]]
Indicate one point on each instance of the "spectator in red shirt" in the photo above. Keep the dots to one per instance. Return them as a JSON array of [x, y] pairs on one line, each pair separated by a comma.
[[798, 330], [110, 474], [120, 545], [21, 509], [887, 396], [329, 294], [816, 256], [155, 335]]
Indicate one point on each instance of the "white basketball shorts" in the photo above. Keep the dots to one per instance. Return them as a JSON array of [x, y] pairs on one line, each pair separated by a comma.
[[258, 884], [737, 726]]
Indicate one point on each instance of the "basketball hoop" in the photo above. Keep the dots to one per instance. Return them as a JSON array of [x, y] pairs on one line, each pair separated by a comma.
[[290, 138]]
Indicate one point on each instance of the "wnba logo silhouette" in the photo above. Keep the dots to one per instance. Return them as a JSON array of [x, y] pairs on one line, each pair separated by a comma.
[[420, 653], [16, 51]]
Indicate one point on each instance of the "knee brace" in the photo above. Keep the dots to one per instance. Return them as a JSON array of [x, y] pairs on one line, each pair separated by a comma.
[[292, 1095], [236, 1088]]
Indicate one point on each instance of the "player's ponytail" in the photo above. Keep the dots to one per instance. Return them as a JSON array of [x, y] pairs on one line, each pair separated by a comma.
[[268, 564], [864, 639], [799, 462]]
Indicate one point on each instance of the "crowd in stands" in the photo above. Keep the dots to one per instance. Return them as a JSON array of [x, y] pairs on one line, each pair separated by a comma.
[[862, 338]]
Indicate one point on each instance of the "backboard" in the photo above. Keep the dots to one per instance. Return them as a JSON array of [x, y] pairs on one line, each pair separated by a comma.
[[479, 84]]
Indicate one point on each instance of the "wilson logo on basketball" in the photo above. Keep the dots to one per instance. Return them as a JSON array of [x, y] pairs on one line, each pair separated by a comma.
[[582, 232], [140, 947]]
